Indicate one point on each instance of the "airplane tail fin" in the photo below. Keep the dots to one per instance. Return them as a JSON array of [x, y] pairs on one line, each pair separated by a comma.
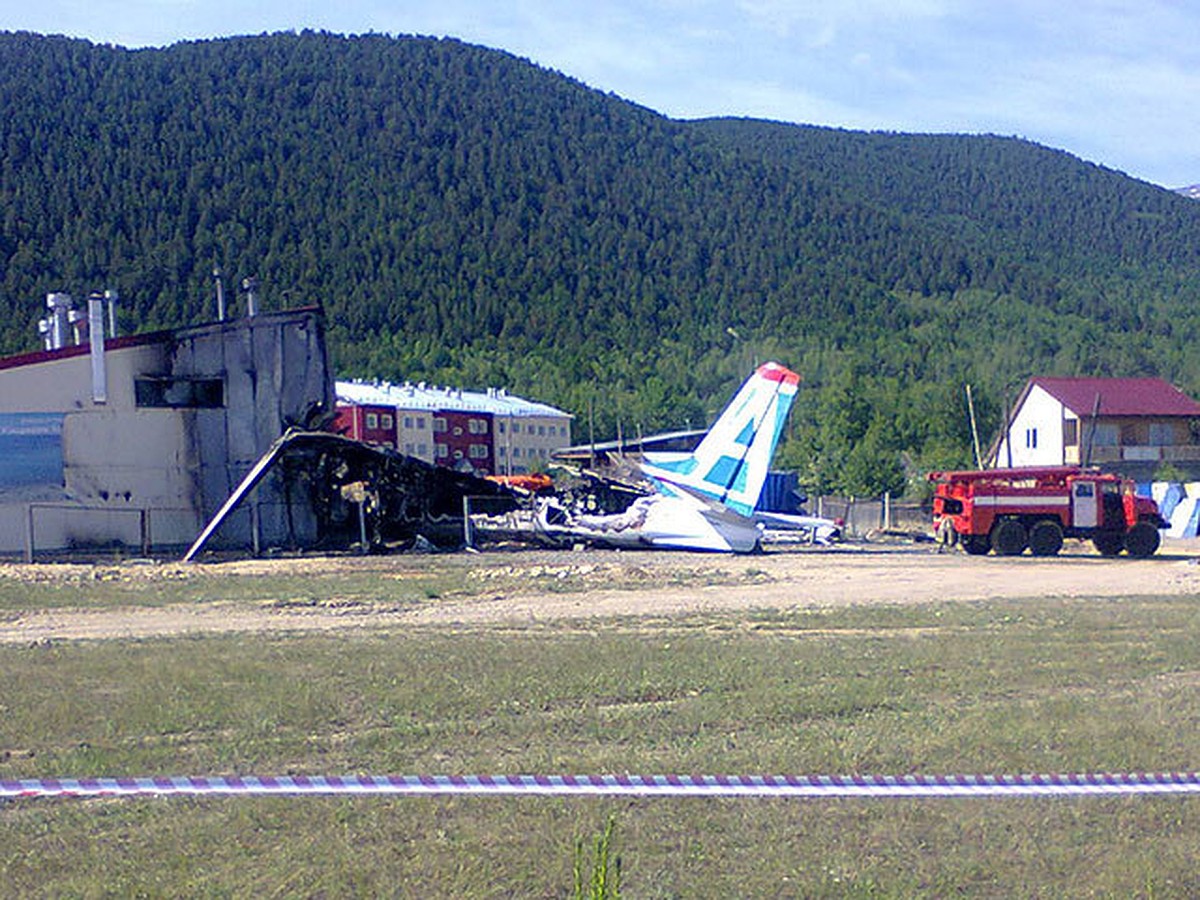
[[731, 463]]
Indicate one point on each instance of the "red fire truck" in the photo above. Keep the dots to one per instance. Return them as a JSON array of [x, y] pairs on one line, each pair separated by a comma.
[[1009, 510]]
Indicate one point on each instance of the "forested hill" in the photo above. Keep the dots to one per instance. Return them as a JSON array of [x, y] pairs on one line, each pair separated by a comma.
[[466, 217]]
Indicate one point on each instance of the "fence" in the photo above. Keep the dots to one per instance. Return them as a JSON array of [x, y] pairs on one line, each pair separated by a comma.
[[51, 527], [862, 516]]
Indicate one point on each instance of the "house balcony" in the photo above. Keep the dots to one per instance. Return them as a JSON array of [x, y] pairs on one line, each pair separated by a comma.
[[1188, 453]]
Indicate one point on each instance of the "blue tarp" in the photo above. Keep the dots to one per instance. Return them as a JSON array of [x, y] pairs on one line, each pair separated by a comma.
[[1172, 495]]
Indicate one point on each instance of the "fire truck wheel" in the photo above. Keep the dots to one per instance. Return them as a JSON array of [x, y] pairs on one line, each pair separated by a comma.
[[1045, 538], [1108, 542], [1142, 540], [1009, 538], [976, 545]]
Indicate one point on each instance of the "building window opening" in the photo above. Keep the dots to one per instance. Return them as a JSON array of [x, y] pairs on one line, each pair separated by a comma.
[[179, 393]]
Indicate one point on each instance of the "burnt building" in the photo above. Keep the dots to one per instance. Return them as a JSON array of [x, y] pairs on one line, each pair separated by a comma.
[[138, 440]]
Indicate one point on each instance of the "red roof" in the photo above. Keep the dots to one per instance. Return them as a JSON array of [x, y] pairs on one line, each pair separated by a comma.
[[1119, 396]]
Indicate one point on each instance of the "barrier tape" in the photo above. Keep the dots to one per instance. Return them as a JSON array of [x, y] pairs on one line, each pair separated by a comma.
[[795, 786]]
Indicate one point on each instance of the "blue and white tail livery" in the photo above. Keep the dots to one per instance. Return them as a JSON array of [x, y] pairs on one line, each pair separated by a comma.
[[730, 465], [705, 499]]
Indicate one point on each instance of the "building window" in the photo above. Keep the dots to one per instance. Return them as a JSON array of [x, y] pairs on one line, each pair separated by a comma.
[[478, 451], [179, 393], [422, 449], [477, 426], [516, 428], [408, 448], [386, 421], [439, 425], [542, 430], [1071, 432], [1031, 438], [420, 421], [443, 451], [408, 421], [1162, 434], [516, 452], [501, 427], [372, 420]]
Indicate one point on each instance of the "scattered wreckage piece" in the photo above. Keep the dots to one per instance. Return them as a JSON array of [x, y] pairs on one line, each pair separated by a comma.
[[359, 494]]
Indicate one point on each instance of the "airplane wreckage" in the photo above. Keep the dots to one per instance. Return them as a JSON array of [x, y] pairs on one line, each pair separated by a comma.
[[351, 494], [376, 499]]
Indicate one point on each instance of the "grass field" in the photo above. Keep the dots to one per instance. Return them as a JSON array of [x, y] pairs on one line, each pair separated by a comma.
[[1029, 686]]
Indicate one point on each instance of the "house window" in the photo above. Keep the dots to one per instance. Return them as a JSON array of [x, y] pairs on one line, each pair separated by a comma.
[[1071, 432], [1031, 438], [1162, 434], [1106, 436]]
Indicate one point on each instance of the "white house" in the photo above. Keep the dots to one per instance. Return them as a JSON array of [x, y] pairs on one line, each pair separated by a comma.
[[1129, 424]]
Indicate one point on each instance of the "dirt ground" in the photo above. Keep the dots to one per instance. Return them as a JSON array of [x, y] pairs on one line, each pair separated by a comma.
[[648, 584]]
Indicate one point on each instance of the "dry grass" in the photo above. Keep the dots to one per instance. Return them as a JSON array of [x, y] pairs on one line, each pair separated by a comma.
[[1080, 685]]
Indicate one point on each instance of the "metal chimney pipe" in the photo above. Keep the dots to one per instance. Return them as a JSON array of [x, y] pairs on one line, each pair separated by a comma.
[[250, 286], [59, 319], [111, 297], [96, 344], [220, 293]]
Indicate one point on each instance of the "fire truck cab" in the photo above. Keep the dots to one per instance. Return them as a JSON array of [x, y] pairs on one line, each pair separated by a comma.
[[1010, 510]]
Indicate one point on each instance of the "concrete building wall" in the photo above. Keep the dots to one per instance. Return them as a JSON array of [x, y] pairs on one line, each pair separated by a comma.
[[415, 433], [188, 414], [62, 382], [524, 443]]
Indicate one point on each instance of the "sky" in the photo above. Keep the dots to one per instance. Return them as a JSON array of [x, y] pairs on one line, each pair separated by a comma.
[[1115, 82]]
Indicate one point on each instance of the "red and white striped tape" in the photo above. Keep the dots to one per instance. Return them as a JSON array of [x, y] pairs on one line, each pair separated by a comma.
[[795, 786]]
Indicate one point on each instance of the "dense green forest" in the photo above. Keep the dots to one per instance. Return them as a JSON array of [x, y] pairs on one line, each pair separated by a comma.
[[468, 218]]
